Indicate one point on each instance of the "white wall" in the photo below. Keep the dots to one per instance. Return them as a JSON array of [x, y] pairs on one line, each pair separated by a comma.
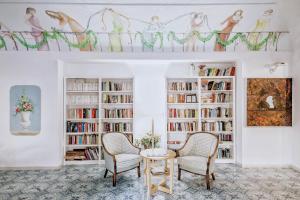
[[43, 149], [290, 12], [255, 146]]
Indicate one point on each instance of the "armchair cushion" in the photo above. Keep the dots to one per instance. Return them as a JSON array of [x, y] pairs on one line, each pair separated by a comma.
[[195, 164], [127, 161]]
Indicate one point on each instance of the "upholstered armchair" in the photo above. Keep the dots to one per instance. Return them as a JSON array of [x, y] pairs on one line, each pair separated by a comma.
[[120, 154], [198, 155]]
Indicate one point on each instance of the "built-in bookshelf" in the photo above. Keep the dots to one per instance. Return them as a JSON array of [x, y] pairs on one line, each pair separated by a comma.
[[94, 106], [203, 103]]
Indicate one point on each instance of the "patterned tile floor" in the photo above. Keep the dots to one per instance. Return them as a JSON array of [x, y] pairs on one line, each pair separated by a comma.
[[87, 182]]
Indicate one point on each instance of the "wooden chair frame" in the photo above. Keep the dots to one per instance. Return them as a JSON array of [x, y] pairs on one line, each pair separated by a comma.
[[114, 177], [207, 176]]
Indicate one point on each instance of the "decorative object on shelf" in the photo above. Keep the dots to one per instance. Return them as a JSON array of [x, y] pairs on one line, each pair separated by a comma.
[[269, 102], [25, 110]]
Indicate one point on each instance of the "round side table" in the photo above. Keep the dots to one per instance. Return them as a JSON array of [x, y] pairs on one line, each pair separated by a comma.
[[151, 156]]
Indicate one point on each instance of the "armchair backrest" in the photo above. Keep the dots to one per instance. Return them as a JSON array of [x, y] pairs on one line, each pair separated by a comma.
[[115, 143], [202, 144]]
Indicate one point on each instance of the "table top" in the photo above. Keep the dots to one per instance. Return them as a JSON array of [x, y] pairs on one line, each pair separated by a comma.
[[158, 154]]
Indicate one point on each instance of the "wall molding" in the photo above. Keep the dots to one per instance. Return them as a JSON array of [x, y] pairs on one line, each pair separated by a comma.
[[140, 2]]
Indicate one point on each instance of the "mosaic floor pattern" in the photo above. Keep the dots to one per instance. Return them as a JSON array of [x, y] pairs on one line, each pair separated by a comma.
[[87, 182]]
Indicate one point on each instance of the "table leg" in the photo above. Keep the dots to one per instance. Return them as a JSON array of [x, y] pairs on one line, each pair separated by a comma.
[[171, 174], [145, 172], [148, 177]]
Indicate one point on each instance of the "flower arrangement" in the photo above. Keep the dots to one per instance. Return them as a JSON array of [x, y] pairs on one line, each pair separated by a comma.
[[24, 104], [150, 138]]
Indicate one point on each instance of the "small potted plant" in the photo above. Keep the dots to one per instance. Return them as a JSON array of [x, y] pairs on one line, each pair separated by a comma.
[[24, 107], [150, 140]]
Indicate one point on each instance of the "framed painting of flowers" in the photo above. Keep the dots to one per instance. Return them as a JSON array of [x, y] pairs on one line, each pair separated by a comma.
[[25, 110]]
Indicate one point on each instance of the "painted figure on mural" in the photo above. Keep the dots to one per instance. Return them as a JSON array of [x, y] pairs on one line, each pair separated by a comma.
[[36, 29], [231, 21], [261, 24], [120, 25], [76, 28], [196, 23], [3, 27], [152, 28]]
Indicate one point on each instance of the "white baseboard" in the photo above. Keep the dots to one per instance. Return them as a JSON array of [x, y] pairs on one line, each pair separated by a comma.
[[31, 167], [296, 168]]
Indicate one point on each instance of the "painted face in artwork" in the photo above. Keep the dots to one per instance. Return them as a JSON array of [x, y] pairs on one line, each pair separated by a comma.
[[30, 12], [61, 17], [238, 15], [268, 12], [197, 18]]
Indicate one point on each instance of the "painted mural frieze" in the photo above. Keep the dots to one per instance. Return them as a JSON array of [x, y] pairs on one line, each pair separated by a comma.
[[140, 29]]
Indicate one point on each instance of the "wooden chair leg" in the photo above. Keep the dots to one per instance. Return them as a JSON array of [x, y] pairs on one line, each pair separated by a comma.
[[207, 181], [139, 170], [213, 176], [114, 179], [105, 173], [179, 173]]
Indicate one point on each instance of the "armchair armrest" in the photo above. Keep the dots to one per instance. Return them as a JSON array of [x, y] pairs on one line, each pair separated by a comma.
[[185, 149], [110, 160], [130, 148]]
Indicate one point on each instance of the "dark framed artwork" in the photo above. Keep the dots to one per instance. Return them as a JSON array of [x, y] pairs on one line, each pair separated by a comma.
[[269, 102]]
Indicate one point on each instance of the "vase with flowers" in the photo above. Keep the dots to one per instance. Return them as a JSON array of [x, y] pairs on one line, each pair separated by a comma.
[[150, 140], [24, 107]]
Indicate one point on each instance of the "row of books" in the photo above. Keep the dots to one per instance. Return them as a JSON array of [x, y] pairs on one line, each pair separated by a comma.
[[216, 85], [224, 152], [216, 71], [117, 127], [217, 126], [225, 137], [174, 142], [82, 85], [83, 139], [183, 126], [182, 86], [118, 113], [83, 154], [123, 98], [82, 100], [182, 113], [116, 86], [82, 113], [75, 127], [216, 98], [182, 98], [216, 112]]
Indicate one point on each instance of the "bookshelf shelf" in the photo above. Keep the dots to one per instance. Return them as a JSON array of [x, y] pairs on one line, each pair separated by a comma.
[[213, 111], [91, 108], [77, 91], [209, 91], [81, 162], [83, 119], [183, 91], [82, 133], [82, 145], [112, 92]]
